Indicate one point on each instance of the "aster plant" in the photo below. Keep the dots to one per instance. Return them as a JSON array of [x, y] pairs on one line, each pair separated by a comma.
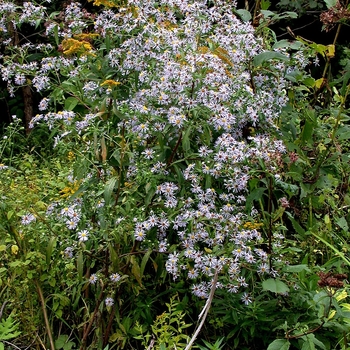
[[155, 103], [164, 97]]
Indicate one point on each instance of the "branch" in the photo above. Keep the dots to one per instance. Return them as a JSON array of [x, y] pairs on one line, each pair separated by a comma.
[[205, 311], [305, 333], [11, 344], [175, 149], [46, 319], [2, 308]]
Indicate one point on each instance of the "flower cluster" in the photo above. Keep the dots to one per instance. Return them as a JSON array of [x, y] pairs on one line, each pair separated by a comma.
[[173, 99], [28, 218], [31, 14], [203, 80], [334, 15]]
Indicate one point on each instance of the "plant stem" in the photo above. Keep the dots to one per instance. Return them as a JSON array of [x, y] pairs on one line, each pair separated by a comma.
[[175, 149], [269, 210], [304, 333], [341, 107], [338, 252], [334, 42], [205, 310], [46, 319], [109, 327], [2, 308], [122, 152], [11, 344], [337, 122], [256, 9], [87, 330], [345, 340]]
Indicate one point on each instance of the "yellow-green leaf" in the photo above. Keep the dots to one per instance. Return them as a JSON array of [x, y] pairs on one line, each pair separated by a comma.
[[319, 82], [14, 249], [330, 51], [327, 219]]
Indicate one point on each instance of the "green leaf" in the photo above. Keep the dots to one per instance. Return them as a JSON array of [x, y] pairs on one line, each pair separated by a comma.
[[275, 286], [51, 245], [55, 34], [208, 179], [279, 344], [144, 261], [2, 346], [294, 45], [69, 346], [345, 78], [268, 56], [15, 263], [37, 23], [254, 195], [108, 43], [150, 191], [8, 329], [316, 341], [306, 135], [342, 223], [70, 103], [83, 187], [308, 343], [267, 13], [135, 269], [289, 188], [244, 14], [296, 268], [60, 341], [186, 143], [330, 3], [343, 133], [309, 82], [289, 14], [338, 252], [265, 4], [295, 224], [113, 255], [80, 266], [108, 191]]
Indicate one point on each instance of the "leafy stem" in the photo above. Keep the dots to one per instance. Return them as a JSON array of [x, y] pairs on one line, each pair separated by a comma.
[[334, 132], [172, 155]]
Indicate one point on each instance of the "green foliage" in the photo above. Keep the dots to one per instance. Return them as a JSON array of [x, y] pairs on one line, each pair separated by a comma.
[[168, 331], [8, 329], [279, 344], [135, 205], [301, 5], [216, 346]]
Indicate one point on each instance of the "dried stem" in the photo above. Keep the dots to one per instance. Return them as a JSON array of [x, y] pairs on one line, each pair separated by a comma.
[[2, 308], [205, 311], [46, 319], [11, 344]]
